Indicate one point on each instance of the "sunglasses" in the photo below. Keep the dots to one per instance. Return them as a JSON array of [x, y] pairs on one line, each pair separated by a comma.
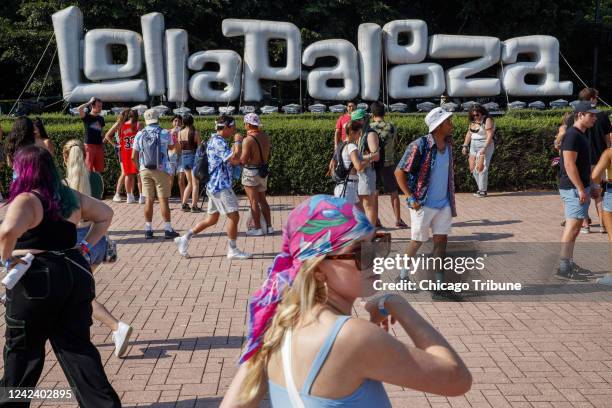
[[366, 252]]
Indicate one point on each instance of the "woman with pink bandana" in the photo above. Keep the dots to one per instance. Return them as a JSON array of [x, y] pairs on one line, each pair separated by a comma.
[[304, 346]]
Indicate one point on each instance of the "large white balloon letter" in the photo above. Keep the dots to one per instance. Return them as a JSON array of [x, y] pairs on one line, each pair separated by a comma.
[[543, 65], [432, 84], [346, 55], [200, 85], [176, 56], [98, 64], [153, 37], [369, 41], [68, 27], [415, 50], [257, 35], [463, 46]]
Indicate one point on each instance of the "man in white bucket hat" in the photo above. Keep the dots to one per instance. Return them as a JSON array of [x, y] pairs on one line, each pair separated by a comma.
[[425, 175]]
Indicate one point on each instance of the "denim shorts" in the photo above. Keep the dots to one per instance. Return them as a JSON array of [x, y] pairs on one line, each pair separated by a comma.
[[187, 160], [607, 201], [571, 202], [98, 252], [174, 163]]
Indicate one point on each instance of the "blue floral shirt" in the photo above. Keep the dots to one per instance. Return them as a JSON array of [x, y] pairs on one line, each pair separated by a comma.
[[219, 167]]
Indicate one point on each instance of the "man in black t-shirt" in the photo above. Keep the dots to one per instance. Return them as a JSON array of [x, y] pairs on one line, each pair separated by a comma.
[[599, 140], [93, 123], [574, 186]]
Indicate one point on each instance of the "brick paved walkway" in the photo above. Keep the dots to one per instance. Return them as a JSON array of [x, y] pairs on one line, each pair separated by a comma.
[[189, 315]]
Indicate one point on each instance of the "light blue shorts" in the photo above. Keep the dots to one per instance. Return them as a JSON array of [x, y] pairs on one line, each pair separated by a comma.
[[607, 201], [187, 160], [571, 203]]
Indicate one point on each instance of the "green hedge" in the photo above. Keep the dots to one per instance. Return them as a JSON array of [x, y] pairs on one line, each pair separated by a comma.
[[303, 144]]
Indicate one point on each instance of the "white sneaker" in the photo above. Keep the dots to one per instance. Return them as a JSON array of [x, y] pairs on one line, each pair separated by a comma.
[[606, 280], [255, 232], [270, 231], [182, 243], [141, 199], [235, 253], [117, 198], [121, 337], [130, 199]]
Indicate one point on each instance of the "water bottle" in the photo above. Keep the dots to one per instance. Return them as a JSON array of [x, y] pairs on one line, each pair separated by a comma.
[[13, 276]]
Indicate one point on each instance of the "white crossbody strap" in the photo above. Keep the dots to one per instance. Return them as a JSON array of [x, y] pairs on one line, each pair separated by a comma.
[[294, 396]]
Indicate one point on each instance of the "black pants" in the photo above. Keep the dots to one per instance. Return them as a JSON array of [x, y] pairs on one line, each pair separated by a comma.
[[52, 301]]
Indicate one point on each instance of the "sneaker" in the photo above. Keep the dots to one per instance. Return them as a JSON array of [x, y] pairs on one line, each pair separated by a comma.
[[476, 194], [255, 232], [185, 207], [581, 271], [571, 275], [148, 234], [182, 243], [141, 199], [270, 231], [606, 280], [117, 198], [130, 199], [121, 337], [401, 224], [482, 194], [196, 209], [585, 230], [444, 295], [235, 253], [170, 234]]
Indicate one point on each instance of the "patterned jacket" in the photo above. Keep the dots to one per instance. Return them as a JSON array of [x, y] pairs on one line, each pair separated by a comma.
[[419, 157]]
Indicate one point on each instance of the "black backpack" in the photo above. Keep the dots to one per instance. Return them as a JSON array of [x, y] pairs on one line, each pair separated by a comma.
[[200, 166], [341, 172], [378, 165]]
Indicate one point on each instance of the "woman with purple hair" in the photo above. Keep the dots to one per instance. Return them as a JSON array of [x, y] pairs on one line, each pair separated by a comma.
[[52, 301]]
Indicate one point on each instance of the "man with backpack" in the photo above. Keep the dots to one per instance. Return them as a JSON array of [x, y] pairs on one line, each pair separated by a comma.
[[219, 162], [385, 167], [150, 152]]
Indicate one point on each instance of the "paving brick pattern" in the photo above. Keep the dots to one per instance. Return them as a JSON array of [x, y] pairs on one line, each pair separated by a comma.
[[189, 315]]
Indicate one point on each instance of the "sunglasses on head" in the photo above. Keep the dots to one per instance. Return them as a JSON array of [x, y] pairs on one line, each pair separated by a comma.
[[365, 252]]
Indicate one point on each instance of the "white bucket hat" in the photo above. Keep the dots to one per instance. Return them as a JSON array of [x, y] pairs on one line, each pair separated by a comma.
[[435, 117]]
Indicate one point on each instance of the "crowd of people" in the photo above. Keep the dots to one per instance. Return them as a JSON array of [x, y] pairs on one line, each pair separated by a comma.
[[304, 306]]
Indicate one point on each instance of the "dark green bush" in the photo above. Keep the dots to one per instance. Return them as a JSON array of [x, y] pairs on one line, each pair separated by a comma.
[[303, 144]]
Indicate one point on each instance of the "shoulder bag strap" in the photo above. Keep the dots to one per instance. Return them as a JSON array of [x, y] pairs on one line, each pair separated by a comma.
[[261, 158]]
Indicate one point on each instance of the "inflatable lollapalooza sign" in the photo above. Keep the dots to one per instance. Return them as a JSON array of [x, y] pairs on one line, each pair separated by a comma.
[[168, 63]]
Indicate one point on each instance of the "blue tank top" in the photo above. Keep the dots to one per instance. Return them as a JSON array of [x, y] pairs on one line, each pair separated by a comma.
[[369, 394]]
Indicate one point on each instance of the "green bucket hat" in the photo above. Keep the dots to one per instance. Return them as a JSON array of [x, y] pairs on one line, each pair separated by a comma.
[[358, 114]]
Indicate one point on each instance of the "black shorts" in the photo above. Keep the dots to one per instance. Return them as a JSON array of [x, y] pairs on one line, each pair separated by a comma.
[[385, 177]]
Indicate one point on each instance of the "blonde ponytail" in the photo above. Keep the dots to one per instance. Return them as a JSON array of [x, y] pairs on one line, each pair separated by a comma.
[[305, 293], [77, 174]]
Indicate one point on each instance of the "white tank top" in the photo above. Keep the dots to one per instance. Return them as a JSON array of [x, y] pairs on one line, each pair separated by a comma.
[[482, 133]]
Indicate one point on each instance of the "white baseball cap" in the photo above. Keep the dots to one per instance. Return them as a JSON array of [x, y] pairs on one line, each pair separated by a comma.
[[435, 117], [151, 116]]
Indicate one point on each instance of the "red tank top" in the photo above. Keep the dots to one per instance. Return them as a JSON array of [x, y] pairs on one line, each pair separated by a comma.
[[126, 137]]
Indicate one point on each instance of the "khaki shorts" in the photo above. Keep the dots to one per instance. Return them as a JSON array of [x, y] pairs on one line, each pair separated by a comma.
[[251, 178], [155, 180], [224, 202]]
